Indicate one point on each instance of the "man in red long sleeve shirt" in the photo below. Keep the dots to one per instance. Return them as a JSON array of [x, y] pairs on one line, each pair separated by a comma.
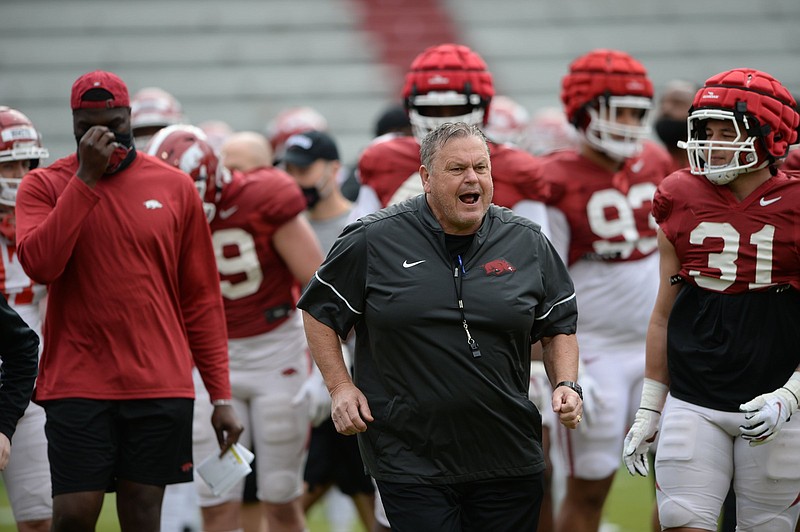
[[134, 302]]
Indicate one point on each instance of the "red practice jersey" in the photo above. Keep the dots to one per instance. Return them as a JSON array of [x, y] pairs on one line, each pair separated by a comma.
[[15, 285], [133, 293], [391, 162], [730, 246], [607, 214], [257, 285]]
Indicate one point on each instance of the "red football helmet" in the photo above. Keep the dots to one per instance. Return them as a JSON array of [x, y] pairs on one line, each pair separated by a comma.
[[447, 76], [507, 121], [19, 141], [763, 116], [597, 86], [186, 147], [291, 122], [151, 109]]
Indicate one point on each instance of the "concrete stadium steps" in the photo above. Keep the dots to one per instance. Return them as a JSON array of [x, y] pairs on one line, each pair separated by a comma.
[[241, 61], [404, 28], [528, 44]]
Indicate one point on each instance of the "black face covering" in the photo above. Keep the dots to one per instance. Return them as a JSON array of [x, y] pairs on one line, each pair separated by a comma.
[[312, 196], [122, 156], [670, 131]]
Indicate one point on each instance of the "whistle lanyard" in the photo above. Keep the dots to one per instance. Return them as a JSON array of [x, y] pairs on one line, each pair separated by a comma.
[[458, 280]]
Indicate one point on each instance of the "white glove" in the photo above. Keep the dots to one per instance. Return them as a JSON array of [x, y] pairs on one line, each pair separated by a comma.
[[645, 427], [315, 393], [765, 415], [539, 391], [592, 402]]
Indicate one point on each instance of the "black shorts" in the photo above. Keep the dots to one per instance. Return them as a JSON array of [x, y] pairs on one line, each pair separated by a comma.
[[92, 443], [500, 505], [333, 458]]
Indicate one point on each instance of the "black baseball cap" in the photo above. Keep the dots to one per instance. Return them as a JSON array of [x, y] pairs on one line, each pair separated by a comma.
[[303, 149]]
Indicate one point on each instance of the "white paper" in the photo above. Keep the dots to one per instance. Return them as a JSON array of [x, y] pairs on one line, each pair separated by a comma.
[[221, 474]]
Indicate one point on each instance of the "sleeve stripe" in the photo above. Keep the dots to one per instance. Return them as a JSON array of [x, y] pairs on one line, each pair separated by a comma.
[[316, 274], [570, 298]]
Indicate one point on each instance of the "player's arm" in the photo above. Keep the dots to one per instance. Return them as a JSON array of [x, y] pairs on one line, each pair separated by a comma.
[[299, 248], [656, 343], [656, 382]]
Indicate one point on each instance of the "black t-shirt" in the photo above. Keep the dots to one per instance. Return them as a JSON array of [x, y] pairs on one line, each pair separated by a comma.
[[725, 349]]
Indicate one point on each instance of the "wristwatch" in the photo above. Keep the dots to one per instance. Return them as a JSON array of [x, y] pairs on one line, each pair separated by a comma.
[[574, 386]]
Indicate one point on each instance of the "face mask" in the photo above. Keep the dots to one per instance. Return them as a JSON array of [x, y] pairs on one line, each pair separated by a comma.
[[670, 131], [318, 192], [312, 196], [122, 156]]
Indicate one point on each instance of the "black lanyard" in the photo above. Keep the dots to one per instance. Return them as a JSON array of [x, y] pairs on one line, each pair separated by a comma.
[[458, 281]]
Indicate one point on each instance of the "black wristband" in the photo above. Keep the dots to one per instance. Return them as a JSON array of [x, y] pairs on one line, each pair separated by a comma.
[[572, 385]]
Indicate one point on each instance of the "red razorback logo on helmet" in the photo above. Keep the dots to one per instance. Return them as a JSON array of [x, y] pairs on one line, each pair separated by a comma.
[[498, 267]]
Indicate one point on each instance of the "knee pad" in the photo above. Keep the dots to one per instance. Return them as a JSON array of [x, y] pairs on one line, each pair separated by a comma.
[[280, 434], [673, 515], [779, 523], [279, 487], [279, 421]]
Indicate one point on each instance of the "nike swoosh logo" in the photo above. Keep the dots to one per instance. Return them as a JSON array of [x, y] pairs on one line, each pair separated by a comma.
[[228, 212], [407, 264], [764, 202]]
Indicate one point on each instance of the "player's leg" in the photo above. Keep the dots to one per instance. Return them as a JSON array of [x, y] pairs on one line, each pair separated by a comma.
[[27, 475], [180, 509], [254, 518], [381, 519], [591, 453], [280, 429], [767, 482], [318, 474], [694, 465], [280, 432], [540, 392], [352, 480], [220, 512]]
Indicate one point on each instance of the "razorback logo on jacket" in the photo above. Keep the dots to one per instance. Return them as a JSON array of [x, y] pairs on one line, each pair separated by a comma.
[[498, 267]]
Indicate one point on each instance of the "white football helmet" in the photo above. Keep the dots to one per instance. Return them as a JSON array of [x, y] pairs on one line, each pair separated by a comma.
[[19, 141]]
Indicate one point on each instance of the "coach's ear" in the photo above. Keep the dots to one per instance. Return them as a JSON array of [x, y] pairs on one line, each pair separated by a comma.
[[426, 177]]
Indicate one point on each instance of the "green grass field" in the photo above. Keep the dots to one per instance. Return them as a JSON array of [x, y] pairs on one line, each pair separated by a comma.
[[628, 509]]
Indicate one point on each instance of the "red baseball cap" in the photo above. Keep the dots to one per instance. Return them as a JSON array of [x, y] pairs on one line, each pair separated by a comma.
[[100, 79]]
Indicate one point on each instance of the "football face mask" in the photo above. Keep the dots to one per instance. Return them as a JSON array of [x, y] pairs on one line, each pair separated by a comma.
[[721, 161]]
